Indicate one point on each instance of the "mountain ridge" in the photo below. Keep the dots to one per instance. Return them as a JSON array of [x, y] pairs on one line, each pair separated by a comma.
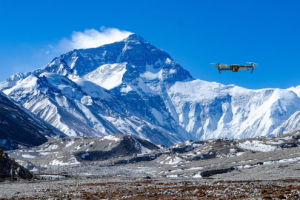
[[140, 90]]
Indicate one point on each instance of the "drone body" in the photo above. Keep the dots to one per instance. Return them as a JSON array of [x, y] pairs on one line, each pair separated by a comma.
[[235, 67]]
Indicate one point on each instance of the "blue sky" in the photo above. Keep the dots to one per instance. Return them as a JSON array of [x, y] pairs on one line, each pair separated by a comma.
[[195, 33]]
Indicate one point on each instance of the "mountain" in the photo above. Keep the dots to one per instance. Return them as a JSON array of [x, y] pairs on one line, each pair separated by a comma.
[[134, 88], [19, 128]]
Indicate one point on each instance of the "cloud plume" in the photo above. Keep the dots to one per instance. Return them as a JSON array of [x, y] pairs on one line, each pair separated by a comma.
[[91, 38]]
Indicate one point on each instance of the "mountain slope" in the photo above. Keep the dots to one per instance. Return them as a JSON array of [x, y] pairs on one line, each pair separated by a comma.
[[18, 128], [73, 150], [134, 88]]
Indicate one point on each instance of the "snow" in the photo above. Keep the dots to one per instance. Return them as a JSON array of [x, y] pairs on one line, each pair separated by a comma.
[[126, 89], [44, 153], [150, 76], [28, 156], [70, 143], [72, 161], [256, 145], [51, 147], [107, 76], [172, 71], [143, 150], [172, 176], [53, 176], [91, 88], [282, 161], [200, 109], [158, 116], [198, 175], [231, 111], [62, 83], [195, 168], [110, 137], [168, 61], [174, 161], [18, 91]]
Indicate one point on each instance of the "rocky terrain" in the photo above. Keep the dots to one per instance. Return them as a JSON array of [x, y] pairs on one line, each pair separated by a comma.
[[221, 158], [152, 189], [11, 170], [121, 166]]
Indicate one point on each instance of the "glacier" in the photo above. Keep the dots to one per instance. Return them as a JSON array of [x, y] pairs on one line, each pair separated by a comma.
[[134, 88]]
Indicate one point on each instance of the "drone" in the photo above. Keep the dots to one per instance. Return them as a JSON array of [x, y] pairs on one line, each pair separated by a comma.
[[235, 67]]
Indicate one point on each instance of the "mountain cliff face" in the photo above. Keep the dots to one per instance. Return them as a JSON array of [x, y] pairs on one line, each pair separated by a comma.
[[19, 128], [134, 88]]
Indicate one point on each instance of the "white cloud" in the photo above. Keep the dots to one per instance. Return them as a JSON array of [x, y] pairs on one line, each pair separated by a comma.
[[91, 38]]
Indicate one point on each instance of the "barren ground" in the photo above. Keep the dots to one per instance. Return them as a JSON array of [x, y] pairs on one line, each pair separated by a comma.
[[97, 188]]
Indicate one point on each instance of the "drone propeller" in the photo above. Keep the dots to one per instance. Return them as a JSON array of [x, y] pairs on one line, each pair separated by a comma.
[[252, 63], [215, 63]]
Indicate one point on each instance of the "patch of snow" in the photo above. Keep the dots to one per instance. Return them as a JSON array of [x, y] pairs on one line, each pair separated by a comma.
[[71, 161], [53, 176], [256, 145], [108, 76], [173, 161], [51, 147], [172, 176], [195, 168], [126, 89], [282, 161], [70, 143], [44, 153], [28, 156], [172, 71], [198, 175], [110, 137]]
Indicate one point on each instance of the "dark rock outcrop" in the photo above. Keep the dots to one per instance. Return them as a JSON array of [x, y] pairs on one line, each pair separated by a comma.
[[8, 166]]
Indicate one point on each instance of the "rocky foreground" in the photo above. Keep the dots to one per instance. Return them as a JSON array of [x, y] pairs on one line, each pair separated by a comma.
[[9, 166], [257, 168], [152, 189]]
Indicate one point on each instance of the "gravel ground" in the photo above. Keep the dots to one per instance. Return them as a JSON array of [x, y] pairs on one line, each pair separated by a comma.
[[151, 189]]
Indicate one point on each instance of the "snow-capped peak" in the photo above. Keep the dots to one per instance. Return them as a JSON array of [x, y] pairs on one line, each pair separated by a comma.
[[132, 87]]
